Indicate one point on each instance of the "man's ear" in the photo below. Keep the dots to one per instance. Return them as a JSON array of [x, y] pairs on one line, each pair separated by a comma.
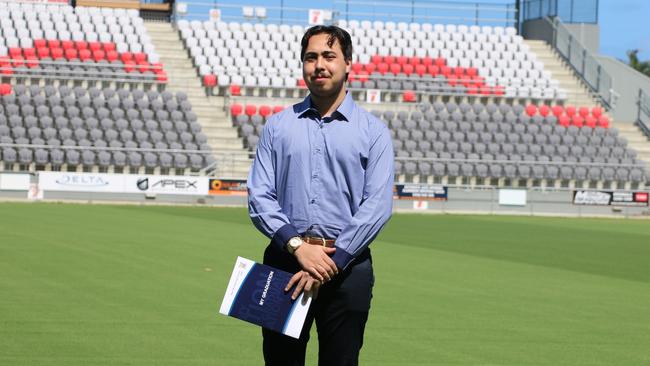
[[348, 66]]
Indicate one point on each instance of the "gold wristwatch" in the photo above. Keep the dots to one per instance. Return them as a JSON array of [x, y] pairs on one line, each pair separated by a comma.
[[293, 244]]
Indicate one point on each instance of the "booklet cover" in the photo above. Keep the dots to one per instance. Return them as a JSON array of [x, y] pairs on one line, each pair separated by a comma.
[[256, 294]]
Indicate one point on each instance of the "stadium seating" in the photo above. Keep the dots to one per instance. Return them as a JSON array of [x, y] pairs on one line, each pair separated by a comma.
[[61, 42], [488, 141], [419, 58], [63, 128]]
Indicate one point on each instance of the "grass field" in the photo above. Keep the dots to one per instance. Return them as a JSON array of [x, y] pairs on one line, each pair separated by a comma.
[[129, 285]]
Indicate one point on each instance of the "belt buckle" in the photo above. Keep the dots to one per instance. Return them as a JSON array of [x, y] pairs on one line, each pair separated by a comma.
[[324, 241]]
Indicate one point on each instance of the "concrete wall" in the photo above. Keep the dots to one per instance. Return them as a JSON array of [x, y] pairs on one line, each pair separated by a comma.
[[626, 82], [587, 34], [538, 29]]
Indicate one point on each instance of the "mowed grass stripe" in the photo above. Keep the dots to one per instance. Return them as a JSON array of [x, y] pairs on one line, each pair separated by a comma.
[[107, 285]]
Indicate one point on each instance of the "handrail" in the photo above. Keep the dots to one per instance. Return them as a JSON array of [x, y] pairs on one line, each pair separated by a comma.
[[583, 63], [643, 112]]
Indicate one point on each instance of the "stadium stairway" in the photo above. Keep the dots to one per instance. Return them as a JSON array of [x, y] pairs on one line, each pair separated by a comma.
[[636, 140], [182, 76], [577, 93]]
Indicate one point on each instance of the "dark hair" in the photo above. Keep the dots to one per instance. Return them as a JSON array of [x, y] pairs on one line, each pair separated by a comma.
[[335, 33]]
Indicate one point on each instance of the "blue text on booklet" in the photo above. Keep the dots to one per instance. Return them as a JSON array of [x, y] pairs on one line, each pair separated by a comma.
[[256, 294]]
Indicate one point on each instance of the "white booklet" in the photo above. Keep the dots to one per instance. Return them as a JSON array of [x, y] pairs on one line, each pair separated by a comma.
[[256, 294]]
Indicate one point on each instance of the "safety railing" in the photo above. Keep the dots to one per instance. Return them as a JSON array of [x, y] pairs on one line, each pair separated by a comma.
[[643, 116], [583, 63]]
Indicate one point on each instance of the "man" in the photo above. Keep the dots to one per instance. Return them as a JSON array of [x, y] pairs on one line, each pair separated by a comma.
[[321, 188]]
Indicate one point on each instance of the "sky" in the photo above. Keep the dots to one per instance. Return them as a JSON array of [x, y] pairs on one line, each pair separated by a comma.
[[623, 23]]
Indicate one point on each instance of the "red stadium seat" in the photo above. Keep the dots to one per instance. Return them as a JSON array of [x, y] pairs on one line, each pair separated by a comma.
[[485, 90], [56, 53], [66, 45], [414, 60], [126, 56], [301, 83], [402, 60], [31, 62], [363, 76], [140, 57], [70, 53], [38, 43], [382, 68], [370, 68], [408, 96], [453, 81], [157, 68], [570, 110], [265, 111], [395, 68], [433, 70], [531, 110], [99, 55], [143, 66], [440, 62], [356, 67], [235, 89], [426, 61], [236, 109], [389, 59], [109, 46], [596, 112], [499, 90], [111, 56], [591, 121], [376, 59], [15, 52], [43, 52], [5, 89], [558, 110], [544, 110], [420, 69], [250, 110], [603, 121], [445, 70], [85, 55], [407, 69], [564, 120], [472, 89], [577, 120], [129, 66], [583, 111], [460, 71], [277, 109], [94, 46], [81, 45], [471, 71], [161, 77], [53, 43]]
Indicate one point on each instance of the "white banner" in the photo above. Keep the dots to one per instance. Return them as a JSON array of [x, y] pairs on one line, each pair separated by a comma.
[[14, 182], [81, 182], [512, 197], [166, 184]]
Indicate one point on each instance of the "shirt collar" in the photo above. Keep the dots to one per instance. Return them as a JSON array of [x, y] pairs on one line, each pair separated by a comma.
[[345, 109]]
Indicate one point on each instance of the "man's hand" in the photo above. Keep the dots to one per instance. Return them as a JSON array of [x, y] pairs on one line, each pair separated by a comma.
[[316, 260], [304, 282]]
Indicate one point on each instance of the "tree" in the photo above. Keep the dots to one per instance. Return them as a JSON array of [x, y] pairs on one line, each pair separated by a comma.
[[640, 66]]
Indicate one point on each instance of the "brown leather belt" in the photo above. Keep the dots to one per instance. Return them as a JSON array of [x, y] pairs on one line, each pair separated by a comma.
[[318, 241]]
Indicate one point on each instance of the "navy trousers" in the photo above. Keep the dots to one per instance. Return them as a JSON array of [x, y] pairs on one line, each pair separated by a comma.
[[340, 311]]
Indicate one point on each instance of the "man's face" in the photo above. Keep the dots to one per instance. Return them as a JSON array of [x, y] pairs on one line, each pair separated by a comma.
[[324, 67]]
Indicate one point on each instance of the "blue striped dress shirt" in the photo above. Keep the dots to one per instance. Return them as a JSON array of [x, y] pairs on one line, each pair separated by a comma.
[[327, 177]]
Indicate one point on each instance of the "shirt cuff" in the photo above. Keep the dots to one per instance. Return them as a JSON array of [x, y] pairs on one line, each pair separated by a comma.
[[283, 235], [342, 258]]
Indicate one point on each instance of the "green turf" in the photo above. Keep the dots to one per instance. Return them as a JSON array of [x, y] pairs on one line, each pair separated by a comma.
[[130, 285]]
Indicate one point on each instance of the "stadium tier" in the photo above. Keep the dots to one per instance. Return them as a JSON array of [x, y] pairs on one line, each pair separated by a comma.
[[59, 41], [493, 141], [388, 56], [80, 128]]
